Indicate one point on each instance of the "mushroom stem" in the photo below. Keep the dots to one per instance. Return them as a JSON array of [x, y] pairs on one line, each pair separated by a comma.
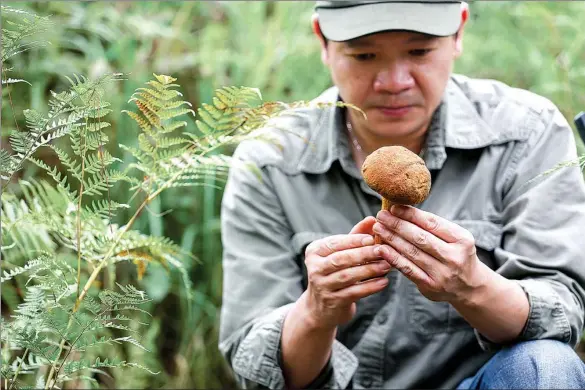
[[398, 175], [386, 204]]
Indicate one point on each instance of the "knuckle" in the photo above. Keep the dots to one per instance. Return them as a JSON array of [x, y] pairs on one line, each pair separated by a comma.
[[413, 251], [432, 224], [467, 242], [313, 279], [396, 224], [312, 248], [331, 244], [311, 263], [394, 258], [343, 277], [390, 236], [316, 267], [338, 260], [421, 238], [407, 271], [335, 261]]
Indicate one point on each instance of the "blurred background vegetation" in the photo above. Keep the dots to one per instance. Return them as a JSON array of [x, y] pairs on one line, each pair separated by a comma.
[[539, 46]]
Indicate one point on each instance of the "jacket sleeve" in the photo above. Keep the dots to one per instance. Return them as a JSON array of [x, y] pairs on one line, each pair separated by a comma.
[[542, 243], [261, 281]]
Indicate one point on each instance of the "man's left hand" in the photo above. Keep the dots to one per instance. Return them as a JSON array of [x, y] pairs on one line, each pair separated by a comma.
[[438, 255]]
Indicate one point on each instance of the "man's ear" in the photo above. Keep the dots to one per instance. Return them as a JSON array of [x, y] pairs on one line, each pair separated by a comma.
[[317, 31], [459, 36]]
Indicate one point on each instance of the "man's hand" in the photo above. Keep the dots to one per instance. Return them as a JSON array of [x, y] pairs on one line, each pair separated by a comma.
[[439, 256], [337, 268]]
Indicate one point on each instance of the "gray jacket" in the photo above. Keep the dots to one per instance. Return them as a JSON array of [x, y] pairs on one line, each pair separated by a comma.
[[485, 143]]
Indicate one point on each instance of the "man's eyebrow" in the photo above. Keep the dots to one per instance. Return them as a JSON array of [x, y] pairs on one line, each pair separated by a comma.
[[364, 42], [421, 38], [358, 43]]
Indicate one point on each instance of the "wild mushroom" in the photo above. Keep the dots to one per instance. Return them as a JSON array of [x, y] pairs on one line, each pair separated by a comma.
[[399, 175]]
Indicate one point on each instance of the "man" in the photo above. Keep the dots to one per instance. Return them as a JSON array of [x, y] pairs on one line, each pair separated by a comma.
[[481, 285]]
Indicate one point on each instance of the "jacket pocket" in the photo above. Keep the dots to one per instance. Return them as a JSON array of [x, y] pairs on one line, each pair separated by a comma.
[[430, 318]]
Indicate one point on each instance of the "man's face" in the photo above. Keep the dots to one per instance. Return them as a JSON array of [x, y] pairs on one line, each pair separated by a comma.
[[397, 78]]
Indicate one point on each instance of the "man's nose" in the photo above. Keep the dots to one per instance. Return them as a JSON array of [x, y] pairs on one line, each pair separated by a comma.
[[394, 79]]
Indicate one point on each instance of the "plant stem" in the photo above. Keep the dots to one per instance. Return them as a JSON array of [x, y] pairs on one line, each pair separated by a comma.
[[96, 271], [108, 255], [79, 214], [104, 261], [56, 375], [13, 381]]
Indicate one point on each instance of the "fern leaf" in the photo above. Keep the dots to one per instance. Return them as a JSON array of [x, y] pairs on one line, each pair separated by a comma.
[[28, 25], [53, 172], [159, 95], [66, 116], [143, 123], [14, 81], [96, 126], [166, 143], [145, 144], [148, 112], [103, 208], [203, 127], [170, 113], [31, 265]]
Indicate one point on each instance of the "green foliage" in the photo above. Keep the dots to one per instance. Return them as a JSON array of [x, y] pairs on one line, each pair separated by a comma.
[[45, 318], [59, 231], [15, 38]]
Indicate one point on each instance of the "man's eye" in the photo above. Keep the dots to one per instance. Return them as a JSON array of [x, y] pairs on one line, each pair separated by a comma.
[[364, 56], [420, 52]]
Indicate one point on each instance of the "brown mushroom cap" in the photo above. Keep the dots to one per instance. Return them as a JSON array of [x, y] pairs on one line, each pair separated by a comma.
[[397, 174]]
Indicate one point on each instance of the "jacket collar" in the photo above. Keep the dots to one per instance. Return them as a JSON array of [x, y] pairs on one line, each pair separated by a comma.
[[456, 124]]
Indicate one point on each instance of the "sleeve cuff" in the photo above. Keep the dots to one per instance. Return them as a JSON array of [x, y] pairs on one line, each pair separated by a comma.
[[339, 369], [546, 316], [259, 355]]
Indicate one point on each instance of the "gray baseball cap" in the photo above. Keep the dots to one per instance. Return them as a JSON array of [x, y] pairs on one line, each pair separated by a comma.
[[344, 20]]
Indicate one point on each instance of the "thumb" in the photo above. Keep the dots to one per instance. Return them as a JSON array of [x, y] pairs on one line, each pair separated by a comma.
[[365, 226]]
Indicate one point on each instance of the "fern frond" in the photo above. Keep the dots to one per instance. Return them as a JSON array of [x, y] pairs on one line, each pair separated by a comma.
[[97, 184], [577, 162], [31, 265], [54, 172], [13, 38], [103, 208], [166, 143], [69, 111], [161, 94], [142, 122], [28, 366], [14, 81], [23, 235], [6, 163]]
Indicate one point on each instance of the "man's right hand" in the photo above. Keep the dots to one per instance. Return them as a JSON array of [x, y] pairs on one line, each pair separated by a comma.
[[341, 270]]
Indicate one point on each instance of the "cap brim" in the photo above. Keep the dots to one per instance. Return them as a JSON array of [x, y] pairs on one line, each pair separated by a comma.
[[342, 24]]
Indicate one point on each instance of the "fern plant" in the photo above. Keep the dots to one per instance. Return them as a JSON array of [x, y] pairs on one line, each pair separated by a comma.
[[60, 235], [15, 40], [58, 230]]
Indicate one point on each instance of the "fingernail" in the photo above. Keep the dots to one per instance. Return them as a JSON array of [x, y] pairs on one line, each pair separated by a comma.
[[378, 250], [397, 210], [378, 228], [368, 241], [382, 215]]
